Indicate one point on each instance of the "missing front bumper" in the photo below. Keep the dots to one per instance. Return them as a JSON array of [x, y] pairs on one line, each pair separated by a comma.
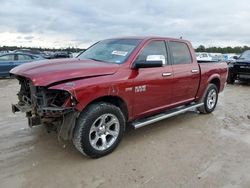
[[43, 111]]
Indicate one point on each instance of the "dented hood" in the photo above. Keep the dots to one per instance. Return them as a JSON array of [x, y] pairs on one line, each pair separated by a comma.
[[44, 73]]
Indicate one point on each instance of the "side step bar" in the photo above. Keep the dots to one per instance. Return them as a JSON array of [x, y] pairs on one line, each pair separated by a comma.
[[170, 113]]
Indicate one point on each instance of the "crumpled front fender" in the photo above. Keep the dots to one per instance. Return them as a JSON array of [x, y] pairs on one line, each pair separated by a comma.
[[69, 87]]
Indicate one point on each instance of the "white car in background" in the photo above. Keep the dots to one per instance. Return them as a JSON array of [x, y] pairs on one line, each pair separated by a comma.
[[203, 56]]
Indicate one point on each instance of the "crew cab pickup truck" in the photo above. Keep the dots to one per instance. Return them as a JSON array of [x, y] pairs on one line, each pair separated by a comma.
[[116, 82], [240, 68]]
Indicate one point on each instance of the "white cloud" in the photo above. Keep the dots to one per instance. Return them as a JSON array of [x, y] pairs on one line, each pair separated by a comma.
[[55, 23]]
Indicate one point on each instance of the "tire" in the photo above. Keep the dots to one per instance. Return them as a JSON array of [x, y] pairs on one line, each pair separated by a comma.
[[210, 99], [99, 129]]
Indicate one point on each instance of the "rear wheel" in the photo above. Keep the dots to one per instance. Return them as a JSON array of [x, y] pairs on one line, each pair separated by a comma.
[[210, 99], [99, 129]]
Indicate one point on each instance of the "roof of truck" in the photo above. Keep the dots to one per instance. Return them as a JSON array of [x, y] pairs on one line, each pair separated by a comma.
[[148, 38]]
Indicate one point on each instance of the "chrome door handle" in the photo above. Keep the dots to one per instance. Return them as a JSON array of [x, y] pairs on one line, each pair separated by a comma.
[[165, 74], [194, 71]]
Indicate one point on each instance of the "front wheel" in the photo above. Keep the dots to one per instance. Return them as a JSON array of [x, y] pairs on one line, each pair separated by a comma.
[[210, 99], [99, 129]]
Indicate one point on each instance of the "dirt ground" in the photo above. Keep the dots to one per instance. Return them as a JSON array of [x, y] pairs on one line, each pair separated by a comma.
[[188, 150]]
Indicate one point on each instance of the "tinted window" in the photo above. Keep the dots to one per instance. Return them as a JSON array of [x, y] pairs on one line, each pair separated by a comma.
[[7, 58], [24, 57], [153, 48], [180, 52]]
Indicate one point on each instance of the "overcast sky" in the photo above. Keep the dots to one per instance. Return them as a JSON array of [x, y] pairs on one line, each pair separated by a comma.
[[78, 23]]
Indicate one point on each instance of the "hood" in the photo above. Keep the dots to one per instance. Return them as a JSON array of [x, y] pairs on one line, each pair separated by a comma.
[[243, 61], [44, 73]]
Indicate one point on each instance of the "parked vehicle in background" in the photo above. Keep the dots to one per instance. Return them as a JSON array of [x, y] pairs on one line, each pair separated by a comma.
[[61, 54], [46, 54], [217, 56], [28, 51], [137, 80], [3, 52], [240, 68], [230, 57], [210, 57], [34, 52], [203, 56], [78, 53], [10, 60]]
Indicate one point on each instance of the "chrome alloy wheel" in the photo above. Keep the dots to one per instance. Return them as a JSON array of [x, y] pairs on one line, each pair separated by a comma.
[[104, 132], [211, 99]]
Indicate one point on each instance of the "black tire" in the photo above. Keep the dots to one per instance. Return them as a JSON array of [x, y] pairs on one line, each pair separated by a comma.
[[93, 119], [209, 103]]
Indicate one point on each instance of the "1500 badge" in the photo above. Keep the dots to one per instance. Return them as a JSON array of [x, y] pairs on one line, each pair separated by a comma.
[[139, 89]]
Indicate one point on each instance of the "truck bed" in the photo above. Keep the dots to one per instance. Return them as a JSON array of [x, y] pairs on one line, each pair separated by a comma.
[[209, 70]]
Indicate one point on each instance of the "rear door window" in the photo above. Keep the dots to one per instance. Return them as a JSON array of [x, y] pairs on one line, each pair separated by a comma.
[[24, 58], [180, 53]]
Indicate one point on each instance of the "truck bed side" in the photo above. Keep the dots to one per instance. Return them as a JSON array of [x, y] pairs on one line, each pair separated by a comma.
[[214, 72]]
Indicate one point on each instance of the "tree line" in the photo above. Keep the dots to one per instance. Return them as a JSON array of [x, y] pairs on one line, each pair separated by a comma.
[[12, 48], [224, 50]]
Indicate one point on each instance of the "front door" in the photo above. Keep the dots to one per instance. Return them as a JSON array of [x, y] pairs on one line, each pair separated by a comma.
[[152, 86]]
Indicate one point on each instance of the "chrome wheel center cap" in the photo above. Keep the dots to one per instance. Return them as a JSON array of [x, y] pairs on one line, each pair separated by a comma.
[[101, 130]]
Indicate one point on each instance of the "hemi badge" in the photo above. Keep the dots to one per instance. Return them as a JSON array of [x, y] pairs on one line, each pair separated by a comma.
[[129, 89]]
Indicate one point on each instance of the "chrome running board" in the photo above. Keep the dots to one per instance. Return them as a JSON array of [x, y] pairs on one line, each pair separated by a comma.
[[170, 113]]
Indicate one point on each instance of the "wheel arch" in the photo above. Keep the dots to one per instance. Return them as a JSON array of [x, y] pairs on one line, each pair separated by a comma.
[[216, 81], [115, 100]]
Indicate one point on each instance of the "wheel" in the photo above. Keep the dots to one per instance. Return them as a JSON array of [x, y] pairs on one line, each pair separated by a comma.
[[99, 130], [210, 99]]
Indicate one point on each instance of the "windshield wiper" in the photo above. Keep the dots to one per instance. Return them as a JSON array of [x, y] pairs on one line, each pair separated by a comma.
[[100, 60], [95, 59]]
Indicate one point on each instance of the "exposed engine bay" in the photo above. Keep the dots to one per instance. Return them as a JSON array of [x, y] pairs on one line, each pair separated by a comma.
[[53, 108]]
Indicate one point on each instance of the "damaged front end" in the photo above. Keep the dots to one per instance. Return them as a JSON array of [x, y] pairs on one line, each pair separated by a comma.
[[43, 106]]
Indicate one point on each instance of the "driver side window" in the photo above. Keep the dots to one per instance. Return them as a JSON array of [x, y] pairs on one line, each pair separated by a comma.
[[154, 48]]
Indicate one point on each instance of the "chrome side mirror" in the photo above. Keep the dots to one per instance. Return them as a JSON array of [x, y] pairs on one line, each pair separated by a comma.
[[161, 58]]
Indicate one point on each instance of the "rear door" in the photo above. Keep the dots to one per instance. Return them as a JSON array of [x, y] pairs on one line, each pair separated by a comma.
[[6, 64], [152, 86], [186, 73]]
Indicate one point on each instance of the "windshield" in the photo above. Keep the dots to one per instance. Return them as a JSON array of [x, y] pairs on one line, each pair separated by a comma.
[[111, 50], [245, 55]]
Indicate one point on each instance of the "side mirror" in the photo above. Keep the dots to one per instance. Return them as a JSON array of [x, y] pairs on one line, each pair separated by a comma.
[[151, 62], [156, 58], [235, 57]]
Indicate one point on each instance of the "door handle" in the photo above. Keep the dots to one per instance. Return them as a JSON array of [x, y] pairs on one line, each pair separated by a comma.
[[194, 71], [165, 74]]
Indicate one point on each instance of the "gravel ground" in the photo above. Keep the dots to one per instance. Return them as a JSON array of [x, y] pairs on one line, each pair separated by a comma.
[[188, 150]]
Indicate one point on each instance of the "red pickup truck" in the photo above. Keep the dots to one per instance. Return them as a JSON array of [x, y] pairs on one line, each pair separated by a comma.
[[116, 82]]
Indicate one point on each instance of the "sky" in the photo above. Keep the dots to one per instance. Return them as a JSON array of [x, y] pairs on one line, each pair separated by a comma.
[[79, 23]]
